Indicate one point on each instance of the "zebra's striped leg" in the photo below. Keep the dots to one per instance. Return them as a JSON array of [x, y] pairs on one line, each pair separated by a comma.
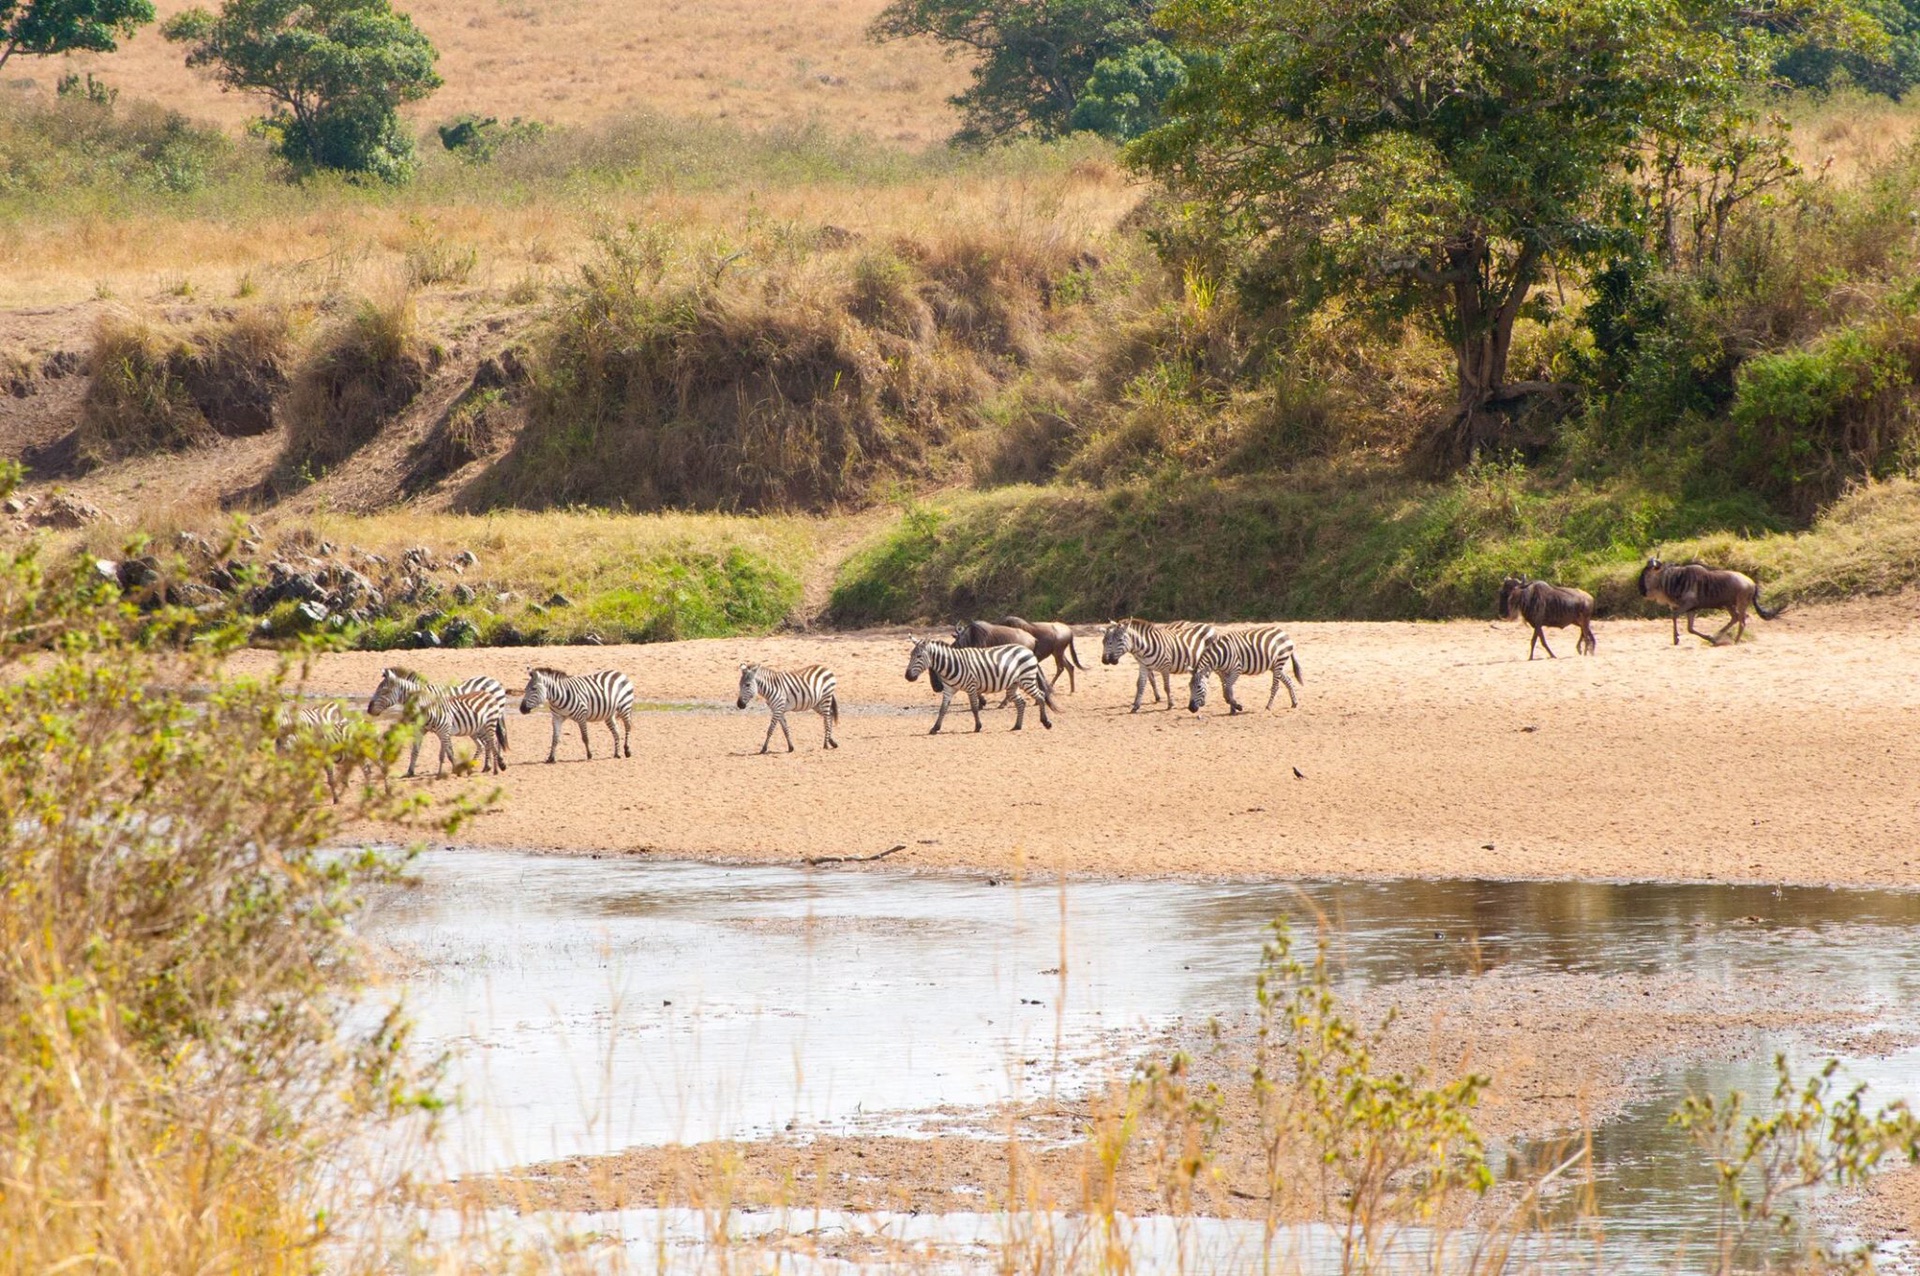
[[446, 754], [553, 750], [975, 701], [583, 739], [773, 720], [613, 725], [1040, 702], [1228, 678], [413, 759], [1166, 676], [826, 720], [1280, 676], [1140, 687], [785, 732], [1019, 708], [946, 698]]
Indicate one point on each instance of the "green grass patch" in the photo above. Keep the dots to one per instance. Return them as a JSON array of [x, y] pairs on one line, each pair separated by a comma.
[[1339, 545]]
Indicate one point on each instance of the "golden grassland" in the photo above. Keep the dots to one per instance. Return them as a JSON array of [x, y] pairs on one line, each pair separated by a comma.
[[578, 61]]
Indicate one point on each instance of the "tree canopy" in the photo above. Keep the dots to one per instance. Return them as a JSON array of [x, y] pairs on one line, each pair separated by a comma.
[[1035, 56], [336, 72], [45, 27], [1436, 157]]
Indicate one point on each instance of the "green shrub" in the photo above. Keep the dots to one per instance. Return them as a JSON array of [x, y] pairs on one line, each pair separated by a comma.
[[1808, 422]]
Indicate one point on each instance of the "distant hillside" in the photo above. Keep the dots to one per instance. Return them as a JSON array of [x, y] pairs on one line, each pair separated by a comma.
[[579, 61]]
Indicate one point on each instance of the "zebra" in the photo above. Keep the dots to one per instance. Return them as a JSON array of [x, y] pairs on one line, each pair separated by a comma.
[[325, 724], [606, 697], [978, 670], [1691, 587], [812, 688], [1548, 607], [1161, 649], [401, 686], [1261, 649]]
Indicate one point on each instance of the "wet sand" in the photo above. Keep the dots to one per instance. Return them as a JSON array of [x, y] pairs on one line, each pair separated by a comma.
[[1564, 1053], [1421, 749]]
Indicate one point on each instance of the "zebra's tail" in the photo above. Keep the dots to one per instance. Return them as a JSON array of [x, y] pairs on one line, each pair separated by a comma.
[[1765, 613], [1073, 656], [1046, 689], [1297, 675], [833, 706], [500, 733]]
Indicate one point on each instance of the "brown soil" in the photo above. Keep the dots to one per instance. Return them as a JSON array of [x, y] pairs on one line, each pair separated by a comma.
[[1564, 1052], [1421, 749]]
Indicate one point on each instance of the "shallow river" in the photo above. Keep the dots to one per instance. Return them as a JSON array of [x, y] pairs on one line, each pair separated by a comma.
[[594, 1005]]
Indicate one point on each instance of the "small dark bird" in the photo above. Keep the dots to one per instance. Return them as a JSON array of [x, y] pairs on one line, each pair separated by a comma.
[[1297, 774]]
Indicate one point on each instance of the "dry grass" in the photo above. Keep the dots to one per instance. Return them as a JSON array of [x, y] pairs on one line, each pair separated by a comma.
[[158, 386], [578, 61]]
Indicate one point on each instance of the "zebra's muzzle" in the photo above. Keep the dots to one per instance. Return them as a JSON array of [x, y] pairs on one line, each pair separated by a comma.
[[739, 704]]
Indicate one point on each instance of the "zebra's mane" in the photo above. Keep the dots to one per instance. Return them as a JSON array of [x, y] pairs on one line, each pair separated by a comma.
[[550, 671], [402, 671]]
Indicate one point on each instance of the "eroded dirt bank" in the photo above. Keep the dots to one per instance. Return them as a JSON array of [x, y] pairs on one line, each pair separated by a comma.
[[1421, 749]]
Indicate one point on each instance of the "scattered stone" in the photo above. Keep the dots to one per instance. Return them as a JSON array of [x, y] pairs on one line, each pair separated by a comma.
[[589, 639], [506, 597], [139, 573], [61, 363], [424, 638], [466, 558], [63, 511], [559, 600], [14, 505], [460, 632], [107, 569], [311, 613], [428, 619], [463, 593]]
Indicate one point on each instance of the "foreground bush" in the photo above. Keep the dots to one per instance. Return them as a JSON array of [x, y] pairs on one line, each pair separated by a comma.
[[183, 1084]]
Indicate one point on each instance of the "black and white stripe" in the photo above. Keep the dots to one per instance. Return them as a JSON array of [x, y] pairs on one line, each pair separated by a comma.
[[1162, 650], [1259, 649], [400, 687], [812, 688], [326, 724], [978, 671], [606, 696]]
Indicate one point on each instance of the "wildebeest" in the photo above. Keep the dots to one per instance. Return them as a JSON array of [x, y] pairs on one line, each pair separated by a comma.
[[1051, 639], [1693, 587], [969, 634], [1547, 606]]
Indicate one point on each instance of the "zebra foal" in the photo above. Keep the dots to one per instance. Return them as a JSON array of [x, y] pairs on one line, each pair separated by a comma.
[[606, 696], [1548, 607], [1691, 587], [977, 671], [812, 688], [1261, 649], [1162, 650], [325, 724], [476, 708]]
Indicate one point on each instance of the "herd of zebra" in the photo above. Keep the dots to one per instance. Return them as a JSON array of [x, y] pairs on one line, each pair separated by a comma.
[[981, 659]]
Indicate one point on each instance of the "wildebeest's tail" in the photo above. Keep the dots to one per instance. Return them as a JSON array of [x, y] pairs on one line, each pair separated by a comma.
[[1073, 656], [1765, 613], [1297, 675]]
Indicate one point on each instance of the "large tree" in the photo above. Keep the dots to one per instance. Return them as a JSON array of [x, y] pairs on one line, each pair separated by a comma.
[[61, 26], [1033, 57], [336, 72], [1437, 157]]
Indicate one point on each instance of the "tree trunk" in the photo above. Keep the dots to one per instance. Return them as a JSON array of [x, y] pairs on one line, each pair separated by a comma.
[[1484, 311]]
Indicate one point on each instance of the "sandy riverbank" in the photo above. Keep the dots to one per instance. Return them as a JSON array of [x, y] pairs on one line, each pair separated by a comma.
[[1422, 749]]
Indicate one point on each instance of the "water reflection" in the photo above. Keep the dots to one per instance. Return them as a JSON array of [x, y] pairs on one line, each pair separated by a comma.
[[599, 1004]]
